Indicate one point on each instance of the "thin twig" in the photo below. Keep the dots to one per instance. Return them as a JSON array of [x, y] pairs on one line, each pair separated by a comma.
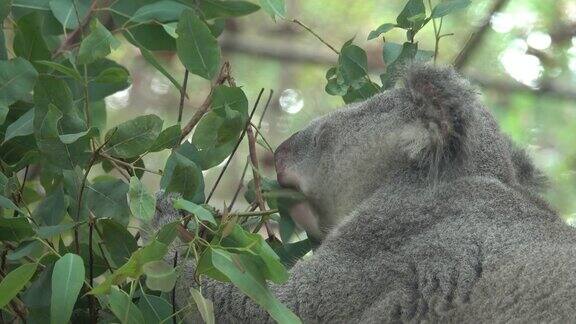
[[83, 185], [315, 35], [477, 37], [235, 148], [73, 35], [223, 76], [183, 95], [241, 182], [256, 175]]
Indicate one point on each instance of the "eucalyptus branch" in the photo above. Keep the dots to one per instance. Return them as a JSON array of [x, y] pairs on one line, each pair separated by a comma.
[[68, 42], [241, 182], [476, 39], [183, 95], [128, 165], [257, 183], [83, 186], [222, 77], [298, 22]]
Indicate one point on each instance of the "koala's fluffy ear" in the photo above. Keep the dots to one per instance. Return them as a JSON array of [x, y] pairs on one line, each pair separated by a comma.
[[440, 97]]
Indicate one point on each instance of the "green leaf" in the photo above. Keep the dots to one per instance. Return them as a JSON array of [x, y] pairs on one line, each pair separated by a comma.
[[252, 286], [268, 262], [198, 211], [412, 15], [381, 30], [150, 58], [160, 276], [335, 89], [17, 79], [47, 232], [70, 12], [205, 306], [182, 175], [184, 155], [106, 198], [161, 11], [112, 75], [123, 308], [53, 208], [7, 203], [32, 4], [353, 65], [446, 7], [142, 204], [154, 309], [5, 9], [67, 280], [289, 253], [197, 47], [133, 137], [98, 44], [15, 281], [98, 90], [368, 90], [185, 179], [133, 267], [62, 69], [29, 43], [391, 51], [224, 9], [169, 138], [21, 127], [407, 54], [15, 229], [118, 241], [72, 138], [274, 8]]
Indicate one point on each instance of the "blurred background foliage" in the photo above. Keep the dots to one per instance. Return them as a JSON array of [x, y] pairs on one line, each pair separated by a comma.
[[524, 65]]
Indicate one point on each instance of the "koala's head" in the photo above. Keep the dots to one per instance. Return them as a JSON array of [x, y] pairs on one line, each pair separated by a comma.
[[431, 128]]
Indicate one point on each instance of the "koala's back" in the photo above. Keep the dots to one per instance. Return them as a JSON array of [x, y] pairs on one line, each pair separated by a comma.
[[474, 250]]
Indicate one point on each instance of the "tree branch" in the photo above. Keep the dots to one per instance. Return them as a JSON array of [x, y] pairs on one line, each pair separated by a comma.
[[478, 36], [222, 76]]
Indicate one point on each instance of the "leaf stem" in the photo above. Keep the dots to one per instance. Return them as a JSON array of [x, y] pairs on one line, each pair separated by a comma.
[[298, 22]]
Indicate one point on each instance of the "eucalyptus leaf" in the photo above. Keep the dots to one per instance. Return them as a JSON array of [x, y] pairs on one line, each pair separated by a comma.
[[275, 8], [252, 286], [154, 309], [67, 280], [123, 308], [161, 11], [205, 306], [198, 211], [446, 7], [160, 276], [98, 44], [224, 9], [118, 241], [133, 137], [70, 12], [142, 204], [23, 126], [14, 281], [17, 79], [197, 47], [384, 28]]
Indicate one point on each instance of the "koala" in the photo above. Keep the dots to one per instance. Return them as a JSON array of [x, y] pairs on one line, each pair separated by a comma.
[[426, 212]]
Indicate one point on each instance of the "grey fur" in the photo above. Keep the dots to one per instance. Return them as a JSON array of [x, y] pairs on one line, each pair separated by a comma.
[[428, 213]]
